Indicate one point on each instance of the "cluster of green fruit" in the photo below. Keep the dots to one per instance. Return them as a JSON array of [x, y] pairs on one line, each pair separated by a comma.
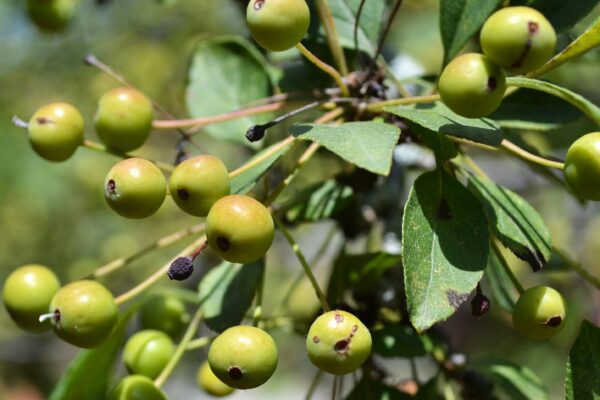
[[84, 314]]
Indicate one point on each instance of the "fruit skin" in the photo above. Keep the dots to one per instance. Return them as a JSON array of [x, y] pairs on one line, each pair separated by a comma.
[[51, 15], [239, 229], [540, 313], [166, 314], [471, 85], [197, 183], [582, 167], [27, 293], [85, 313], [518, 38], [147, 352], [56, 131], [243, 357], [278, 25], [338, 342], [208, 381], [136, 387], [123, 119], [135, 188]]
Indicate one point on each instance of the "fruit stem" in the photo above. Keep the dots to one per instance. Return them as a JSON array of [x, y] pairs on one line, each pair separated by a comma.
[[516, 150], [314, 384], [506, 267], [578, 268], [204, 121], [380, 105], [304, 263], [261, 157], [583, 104], [19, 122], [158, 275], [257, 315], [89, 144], [323, 66], [159, 244], [333, 39], [181, 348], [199, 343]]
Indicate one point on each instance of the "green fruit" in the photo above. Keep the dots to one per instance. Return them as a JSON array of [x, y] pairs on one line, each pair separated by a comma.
[[338, 342], [518, 38], [136, 387], [278, 25], [243, 357], [239, 229], [135, 188], [51, 15], [582, 167], [148, 352], [166, 314], [56, 131], [123, 119], [85, 313], [471, 85], [197, 183], [540, 313], [27, 293], [208, 381]]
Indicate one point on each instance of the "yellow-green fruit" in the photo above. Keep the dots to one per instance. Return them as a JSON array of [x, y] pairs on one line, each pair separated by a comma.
[[209, 382], [518, 38], [136, 387], [243, 357], [51, 15], [197, 183], [540, 313], [135, 188], [27, 294], [338, 342], [239, 229], [85, 313], [471, 85], [147, 352], [56, 131], [582, 167], [123, 119], [278, 25], [165, 313]]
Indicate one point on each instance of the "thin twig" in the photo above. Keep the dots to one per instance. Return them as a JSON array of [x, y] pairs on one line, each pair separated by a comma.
[[323, 66]]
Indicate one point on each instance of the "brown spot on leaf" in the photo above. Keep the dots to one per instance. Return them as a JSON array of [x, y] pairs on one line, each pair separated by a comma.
[[455, 299]]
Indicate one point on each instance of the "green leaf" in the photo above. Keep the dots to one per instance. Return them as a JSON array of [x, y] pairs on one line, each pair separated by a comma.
[[359, 272], [226, 293], [216, 86], [439, 118], [583, 104], [243, 182], [517, 382], [397, 341], [344, 15], [445, 246], [88, 375], [532, 110], [369, 145], [441, 145], [460, 20], [503, 290], [561, 14], [518, 226], [368, 389], [319, 201], [583, 366]]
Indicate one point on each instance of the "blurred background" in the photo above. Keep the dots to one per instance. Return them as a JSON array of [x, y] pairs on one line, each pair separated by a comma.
[[54, 214]]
